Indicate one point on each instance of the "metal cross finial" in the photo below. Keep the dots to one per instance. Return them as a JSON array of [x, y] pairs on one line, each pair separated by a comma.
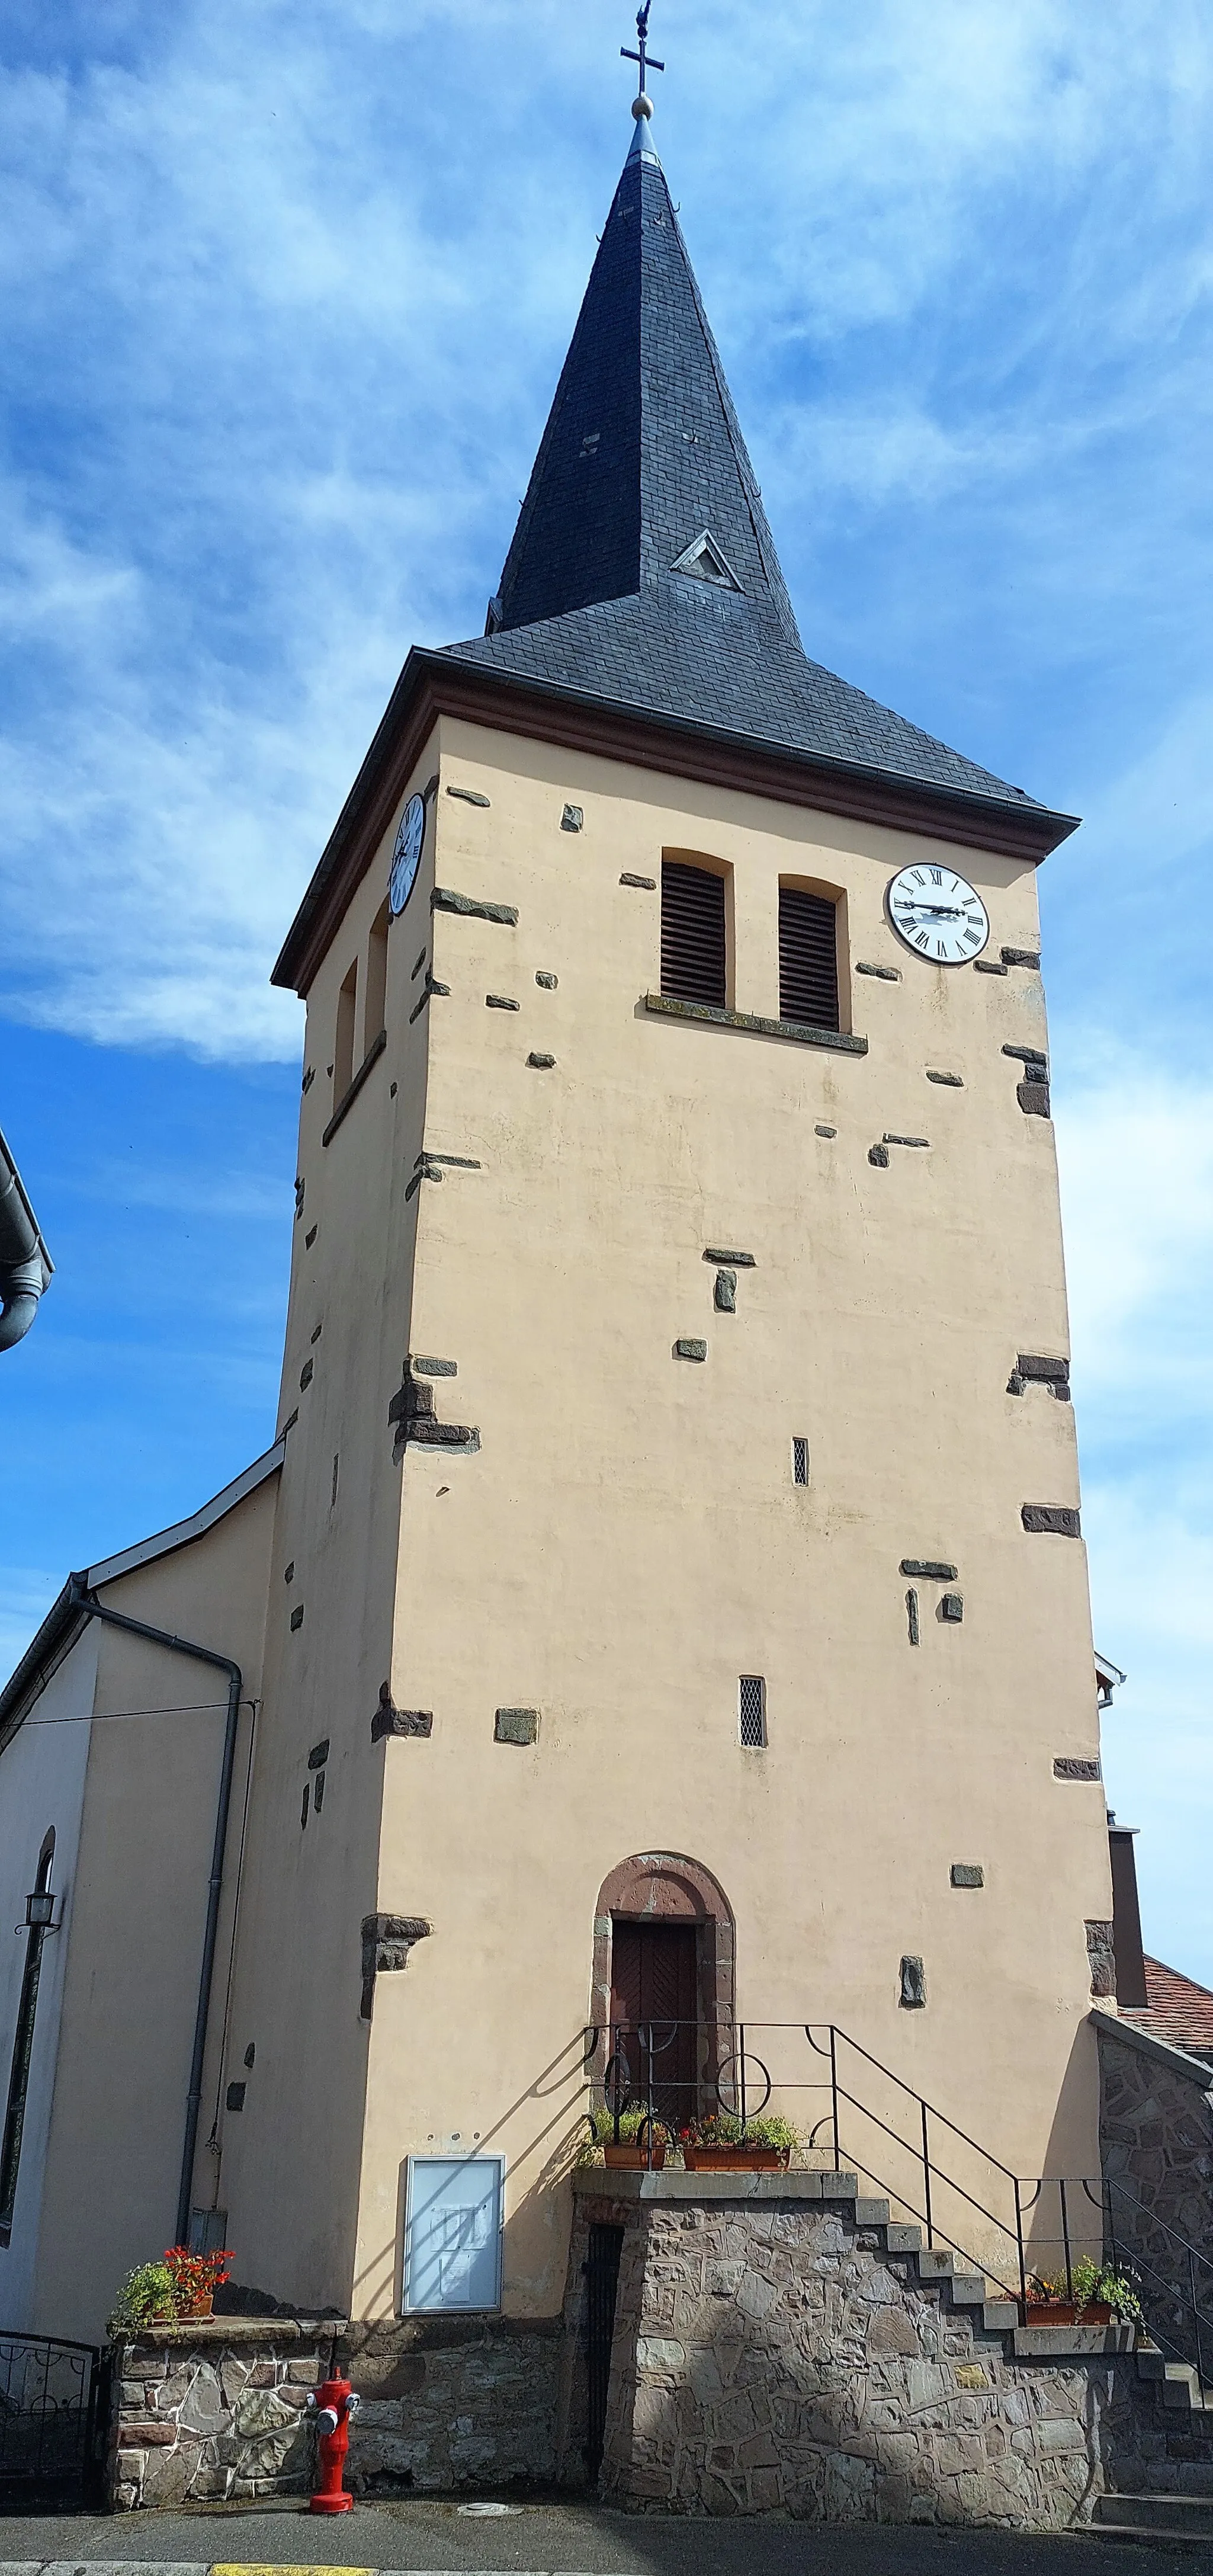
[[648, 62]]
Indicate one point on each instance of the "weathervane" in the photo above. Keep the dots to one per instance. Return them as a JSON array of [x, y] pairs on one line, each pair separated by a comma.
[[648, 62]]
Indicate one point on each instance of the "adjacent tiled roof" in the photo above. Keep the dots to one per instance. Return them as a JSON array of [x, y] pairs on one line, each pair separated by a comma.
[[1178, 2009], [642, 455]]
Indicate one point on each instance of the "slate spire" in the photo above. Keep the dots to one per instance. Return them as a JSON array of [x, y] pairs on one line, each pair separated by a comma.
[[642, 479], [642, 575]]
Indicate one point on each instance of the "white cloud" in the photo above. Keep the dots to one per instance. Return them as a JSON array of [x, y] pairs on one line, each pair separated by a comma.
[[289, 291]]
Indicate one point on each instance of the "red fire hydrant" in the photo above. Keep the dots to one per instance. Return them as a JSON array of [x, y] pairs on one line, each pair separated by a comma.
[[334, 2403]]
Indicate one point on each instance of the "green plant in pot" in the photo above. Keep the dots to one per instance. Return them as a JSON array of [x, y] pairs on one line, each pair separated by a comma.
[[721, 2142], [147, 2298], [641, 2140]]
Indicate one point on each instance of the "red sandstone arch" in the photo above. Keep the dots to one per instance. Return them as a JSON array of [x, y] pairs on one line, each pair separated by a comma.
[[668, 1887]]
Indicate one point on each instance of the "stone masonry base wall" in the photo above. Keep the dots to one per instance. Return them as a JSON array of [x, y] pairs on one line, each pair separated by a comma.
[[779, 2359], [452, 2402], [214, 2410]]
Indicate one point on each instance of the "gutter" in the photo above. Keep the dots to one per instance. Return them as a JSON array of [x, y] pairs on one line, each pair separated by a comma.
[[26, 1268], [85, 1602]]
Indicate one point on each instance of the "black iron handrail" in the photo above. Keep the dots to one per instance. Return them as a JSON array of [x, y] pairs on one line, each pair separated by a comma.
[[634, 2078]]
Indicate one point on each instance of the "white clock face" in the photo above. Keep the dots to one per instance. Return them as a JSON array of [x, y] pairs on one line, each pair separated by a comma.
[[406, 857], [938, 914]]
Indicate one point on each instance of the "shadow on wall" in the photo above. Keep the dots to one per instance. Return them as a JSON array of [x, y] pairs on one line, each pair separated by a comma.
[[550, 2112]]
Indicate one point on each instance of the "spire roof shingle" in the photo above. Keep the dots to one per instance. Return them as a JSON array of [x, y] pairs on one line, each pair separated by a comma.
[[642, 572]]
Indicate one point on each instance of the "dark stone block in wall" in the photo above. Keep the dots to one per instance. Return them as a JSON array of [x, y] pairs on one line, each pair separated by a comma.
[[297, 1618], [825, 1131], [441, 1435], [319, 1755], [987, 966], [1021, 957], [1057, 1519], [444, 899], [687, 1348], [724, 1295], [548, 982], [500, 1002], [468, 796], [310, 1236], [542, 1063], [1015, 1383], [886, 974], [913, 1979], [648, 885], [572, 819], [952, 1607], [516, 1726], [1033, 1098], [967, 1873], [735, 1260], [306, 1374], [929, 1569], [432, 1368], [1029, 1055], [954, 1081], [879, 1154], [1102, 1956], [235, 2096], [1037, 1365], [389, 1720], [386, 1942], [888, 1139], [912, 1616], [1073, 1766]]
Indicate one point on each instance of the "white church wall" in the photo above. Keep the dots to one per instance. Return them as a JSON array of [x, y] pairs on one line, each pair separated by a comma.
[[42, 1775]]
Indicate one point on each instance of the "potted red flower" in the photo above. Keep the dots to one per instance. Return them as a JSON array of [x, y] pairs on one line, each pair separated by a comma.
[[721, 2143], [195, 2278]]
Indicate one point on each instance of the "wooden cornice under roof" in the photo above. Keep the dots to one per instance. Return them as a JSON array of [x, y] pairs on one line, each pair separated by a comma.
[[434, 684]]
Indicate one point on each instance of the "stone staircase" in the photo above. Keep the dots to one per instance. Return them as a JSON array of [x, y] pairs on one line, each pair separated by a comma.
[[1178, 2389]]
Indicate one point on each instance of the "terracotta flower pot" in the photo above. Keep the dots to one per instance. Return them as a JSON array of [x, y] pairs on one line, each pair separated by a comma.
[[735, 2159], [204, 2307], [1052, 2312], [1096, 2313], [630, 2158]]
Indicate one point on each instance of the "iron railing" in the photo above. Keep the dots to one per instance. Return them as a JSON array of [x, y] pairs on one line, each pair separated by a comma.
[[51, 2420], [1013, 2230]]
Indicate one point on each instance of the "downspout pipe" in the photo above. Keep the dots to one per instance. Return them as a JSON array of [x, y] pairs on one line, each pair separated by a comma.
[[87, 1602], [25, 1265]]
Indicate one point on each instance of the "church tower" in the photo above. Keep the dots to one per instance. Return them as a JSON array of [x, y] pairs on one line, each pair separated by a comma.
[[679, 1610]]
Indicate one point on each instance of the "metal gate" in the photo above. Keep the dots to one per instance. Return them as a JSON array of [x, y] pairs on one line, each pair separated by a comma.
[[52, 2422], [601, 2285]]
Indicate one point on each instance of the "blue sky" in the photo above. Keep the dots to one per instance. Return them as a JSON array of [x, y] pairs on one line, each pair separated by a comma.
[[285, 293]]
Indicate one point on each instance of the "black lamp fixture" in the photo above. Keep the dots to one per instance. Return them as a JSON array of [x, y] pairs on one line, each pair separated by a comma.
[[39, 1911]]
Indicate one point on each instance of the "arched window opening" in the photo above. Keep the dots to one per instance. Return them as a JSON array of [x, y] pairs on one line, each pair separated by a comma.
[[23, 2049]]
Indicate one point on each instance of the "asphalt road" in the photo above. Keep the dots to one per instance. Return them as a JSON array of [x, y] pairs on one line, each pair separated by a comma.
[[560, 2540]]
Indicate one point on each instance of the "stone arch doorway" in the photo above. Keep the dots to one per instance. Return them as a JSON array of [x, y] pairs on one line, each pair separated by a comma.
[[663, 1981]]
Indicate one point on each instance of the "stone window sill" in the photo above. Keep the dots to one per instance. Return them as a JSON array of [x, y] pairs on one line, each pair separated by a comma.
[[667, 1007], [373, 1053]]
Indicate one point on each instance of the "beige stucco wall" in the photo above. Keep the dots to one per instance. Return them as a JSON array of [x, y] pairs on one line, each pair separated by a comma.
[[628, 1540], [138, 1906]]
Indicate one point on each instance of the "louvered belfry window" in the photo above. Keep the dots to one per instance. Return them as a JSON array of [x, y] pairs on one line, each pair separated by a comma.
[[808, 958], [692, 934]]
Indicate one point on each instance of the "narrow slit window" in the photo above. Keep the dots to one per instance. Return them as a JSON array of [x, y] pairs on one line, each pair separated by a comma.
[[752, 1709], [800, 1462], [808, 958], [374, 1016], [692, 934], [343, 1047]]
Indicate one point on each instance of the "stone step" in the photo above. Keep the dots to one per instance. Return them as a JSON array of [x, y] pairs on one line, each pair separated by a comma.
[[1000, 2316], [969, 2290], [871, 2213], [1188, 2517], [902, 2239], [935, 2263]]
